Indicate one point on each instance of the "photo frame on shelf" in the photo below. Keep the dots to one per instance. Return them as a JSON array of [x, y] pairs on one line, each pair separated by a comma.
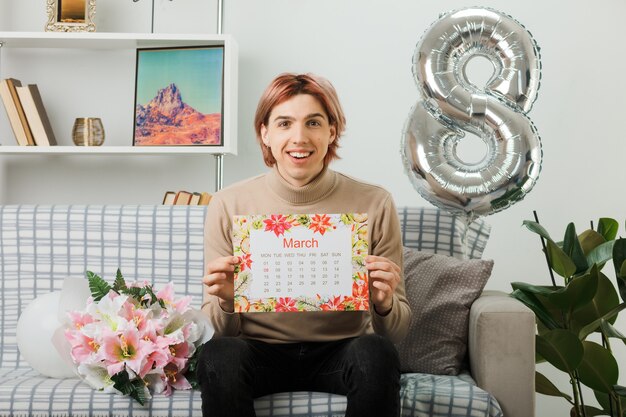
[[179, 96], [71, 15]]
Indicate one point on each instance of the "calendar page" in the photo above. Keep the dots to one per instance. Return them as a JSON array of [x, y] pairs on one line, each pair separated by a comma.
[[301, 262]]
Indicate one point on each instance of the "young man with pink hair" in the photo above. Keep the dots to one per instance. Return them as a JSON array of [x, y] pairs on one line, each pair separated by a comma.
[[298, 124]]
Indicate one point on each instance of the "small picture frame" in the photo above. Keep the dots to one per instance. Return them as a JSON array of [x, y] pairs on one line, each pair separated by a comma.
[[71, 15], [179, 96]]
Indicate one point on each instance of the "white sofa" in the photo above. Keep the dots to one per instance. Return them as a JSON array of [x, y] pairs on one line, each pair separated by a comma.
[[42, 245]]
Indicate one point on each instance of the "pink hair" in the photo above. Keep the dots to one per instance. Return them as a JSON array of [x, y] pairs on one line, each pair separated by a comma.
[[287, 85]]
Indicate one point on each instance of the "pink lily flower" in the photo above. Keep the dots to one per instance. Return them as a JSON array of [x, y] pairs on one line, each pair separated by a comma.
[[83, 348], [79, 319], [167, 295], [174, 378], [124, 349]]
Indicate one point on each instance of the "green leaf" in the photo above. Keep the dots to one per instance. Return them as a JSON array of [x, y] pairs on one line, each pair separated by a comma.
[[135, 388], [590, 239], [537, 228], [592, 411], [619, 262], [619, 255], [601, 254], [598, 369], [98, 287], [535, 289], [610, 331], [572, 248], [545, 387], [559, 261], [595, 325], [119, 284], [577, 293], [603, 400], [561, 348], [530, 301], [619, 390], [192, 368], [607, 227]]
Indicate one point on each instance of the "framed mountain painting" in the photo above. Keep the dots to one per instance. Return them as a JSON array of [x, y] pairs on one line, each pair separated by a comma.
[[179, 96]]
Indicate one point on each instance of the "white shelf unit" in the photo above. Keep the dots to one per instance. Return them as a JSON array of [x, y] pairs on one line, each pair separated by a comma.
[[132, 41]]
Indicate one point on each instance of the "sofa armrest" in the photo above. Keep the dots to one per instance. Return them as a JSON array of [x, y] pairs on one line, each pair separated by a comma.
[[502, 351]]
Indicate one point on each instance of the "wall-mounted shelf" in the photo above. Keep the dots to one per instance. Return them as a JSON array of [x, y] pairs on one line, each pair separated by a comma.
[[73, 43], [96, 40], [109, 150]]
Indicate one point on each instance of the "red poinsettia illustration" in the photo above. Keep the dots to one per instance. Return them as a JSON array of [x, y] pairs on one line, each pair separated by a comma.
[[320, 223], [245, 262], [286, 304], [278, 224], [333, 304], [360, 294]]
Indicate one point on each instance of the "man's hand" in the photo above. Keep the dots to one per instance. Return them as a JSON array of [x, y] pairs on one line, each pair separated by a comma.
[[219, 281], [384, 278]]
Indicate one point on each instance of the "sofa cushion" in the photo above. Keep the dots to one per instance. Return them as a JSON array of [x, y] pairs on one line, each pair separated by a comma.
[[24, 392], [431, 230], [440, 290]]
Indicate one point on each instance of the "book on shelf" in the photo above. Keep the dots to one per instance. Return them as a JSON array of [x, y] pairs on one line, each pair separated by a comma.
[[169, 197], [182, 198], [204, 199], [195, 199], [15, 111], [186, 198], [36, 115]]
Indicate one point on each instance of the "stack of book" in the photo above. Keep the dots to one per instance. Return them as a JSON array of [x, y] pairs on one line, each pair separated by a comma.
[[27, 113], [186, 198]]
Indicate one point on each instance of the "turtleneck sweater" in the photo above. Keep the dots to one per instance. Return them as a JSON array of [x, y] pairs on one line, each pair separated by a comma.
[[329, 192]]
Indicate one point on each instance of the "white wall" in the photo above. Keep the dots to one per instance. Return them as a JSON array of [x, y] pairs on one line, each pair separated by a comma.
[[365, 48]]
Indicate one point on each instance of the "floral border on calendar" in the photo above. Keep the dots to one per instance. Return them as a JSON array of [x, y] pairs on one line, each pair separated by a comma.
[[281, 224]]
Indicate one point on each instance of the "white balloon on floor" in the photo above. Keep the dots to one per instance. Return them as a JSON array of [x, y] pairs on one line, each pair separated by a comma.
[[36, 328]]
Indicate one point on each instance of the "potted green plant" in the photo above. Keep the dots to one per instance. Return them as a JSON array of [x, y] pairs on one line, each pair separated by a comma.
[[575, 317]]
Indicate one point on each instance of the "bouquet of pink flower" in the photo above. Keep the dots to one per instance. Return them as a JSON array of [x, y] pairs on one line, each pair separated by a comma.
[[135, 341]]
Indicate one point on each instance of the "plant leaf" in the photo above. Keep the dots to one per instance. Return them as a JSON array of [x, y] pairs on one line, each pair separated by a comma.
[[603, 400], [119, 284], [559, 261], [591, 411], [598, 369], [535, 289], [607, 227], [545, 387], [578, 292], [590, 239], [619, 254], [610, 331], [98, 287], [601, 254], [134, 389], [603, 303], [530, 301], [572, 248], [619, 262], [192, 365], [594, 325], [619, 390], [537, 228], [561, 348]]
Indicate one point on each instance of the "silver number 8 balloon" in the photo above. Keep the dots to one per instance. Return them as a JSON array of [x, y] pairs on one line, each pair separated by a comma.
[[496, 113]]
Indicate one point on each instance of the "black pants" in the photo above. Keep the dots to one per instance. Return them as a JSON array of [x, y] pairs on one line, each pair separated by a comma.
[[233, 372]]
